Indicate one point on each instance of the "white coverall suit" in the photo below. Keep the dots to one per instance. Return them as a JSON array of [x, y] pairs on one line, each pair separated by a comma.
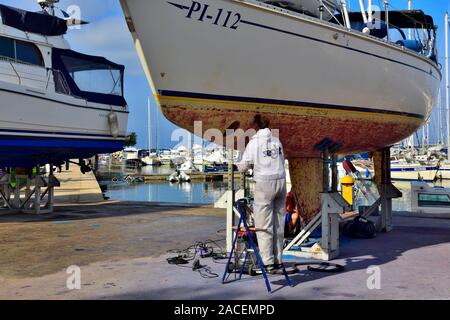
[[265, 152]]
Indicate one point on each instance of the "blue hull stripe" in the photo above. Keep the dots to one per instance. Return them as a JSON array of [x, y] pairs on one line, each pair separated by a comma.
[[399, 179], [18, 151], [193, 95], [57, 133], [414, 169]]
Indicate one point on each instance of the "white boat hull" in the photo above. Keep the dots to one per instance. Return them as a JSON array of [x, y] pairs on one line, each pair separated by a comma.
[[313, 79], [428, 201], [44, 126], [414, 173], [151, 161]]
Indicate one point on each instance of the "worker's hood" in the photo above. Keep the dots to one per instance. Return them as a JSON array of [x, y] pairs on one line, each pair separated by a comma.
[[264, 133]]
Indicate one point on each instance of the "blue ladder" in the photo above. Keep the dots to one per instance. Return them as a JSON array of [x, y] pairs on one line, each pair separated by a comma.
[[243, 221]]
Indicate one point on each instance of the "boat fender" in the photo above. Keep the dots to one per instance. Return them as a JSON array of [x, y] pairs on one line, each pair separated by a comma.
[[113, 121], [376, 29]]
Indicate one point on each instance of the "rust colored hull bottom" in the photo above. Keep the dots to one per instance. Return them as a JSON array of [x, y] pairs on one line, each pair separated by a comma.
[[301, 128]]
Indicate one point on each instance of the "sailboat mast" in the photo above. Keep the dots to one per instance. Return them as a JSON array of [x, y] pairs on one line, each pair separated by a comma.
[[157, 130], [410, 30], [439, 134], [447, 97], [424, 136], [149, 124]]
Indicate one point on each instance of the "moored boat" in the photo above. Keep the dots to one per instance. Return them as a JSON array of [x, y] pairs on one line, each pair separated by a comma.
[[55, 104], [432, 201]]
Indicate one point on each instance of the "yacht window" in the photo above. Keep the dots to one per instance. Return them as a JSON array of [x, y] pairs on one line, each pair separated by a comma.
[[6, 48], [20, 52], [28, 53], [429, 200], [92, 76]]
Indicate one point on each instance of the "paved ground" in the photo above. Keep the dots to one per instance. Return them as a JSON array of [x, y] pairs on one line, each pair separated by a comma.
[[121, 248], [77, 187]]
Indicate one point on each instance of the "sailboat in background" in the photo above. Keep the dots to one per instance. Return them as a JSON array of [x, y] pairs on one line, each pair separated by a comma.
[[444, 170], [149, 157], [423, 162]]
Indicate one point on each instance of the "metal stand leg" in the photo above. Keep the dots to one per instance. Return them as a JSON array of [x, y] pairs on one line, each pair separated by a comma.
[[16, 202], [37, 192], [230, 203]]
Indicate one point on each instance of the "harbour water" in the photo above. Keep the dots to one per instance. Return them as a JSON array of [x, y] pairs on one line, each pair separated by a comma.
[[195, 192], [198, 192], [186, 193]]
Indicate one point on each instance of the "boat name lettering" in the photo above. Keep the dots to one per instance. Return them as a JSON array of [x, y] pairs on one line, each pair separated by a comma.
[[221, 17]]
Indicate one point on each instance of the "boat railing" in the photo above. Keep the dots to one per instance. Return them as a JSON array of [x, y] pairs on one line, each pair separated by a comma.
[[10, 61], [60, 81], [15, 71]]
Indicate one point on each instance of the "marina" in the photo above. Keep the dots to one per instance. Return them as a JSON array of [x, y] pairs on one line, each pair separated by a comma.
[[133, 269], [224, 150]]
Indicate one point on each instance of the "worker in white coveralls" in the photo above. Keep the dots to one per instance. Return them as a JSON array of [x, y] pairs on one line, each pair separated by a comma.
[[266, 155]]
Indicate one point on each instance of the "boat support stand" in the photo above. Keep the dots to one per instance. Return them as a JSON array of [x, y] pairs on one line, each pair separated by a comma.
[[332, 206], [386, 189], [31, 198]]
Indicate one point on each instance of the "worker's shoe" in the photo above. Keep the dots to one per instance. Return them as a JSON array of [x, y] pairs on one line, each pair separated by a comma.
[[267, 268], [271, 268], [278, 269]]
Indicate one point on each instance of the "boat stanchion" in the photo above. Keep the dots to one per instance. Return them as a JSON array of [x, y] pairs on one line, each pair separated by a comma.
[[37, 188], [29, 192], [231, 198], [387, 190], [5, 190], [332, 204]]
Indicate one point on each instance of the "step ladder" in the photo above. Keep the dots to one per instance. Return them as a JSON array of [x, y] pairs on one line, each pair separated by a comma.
[[249, 248]]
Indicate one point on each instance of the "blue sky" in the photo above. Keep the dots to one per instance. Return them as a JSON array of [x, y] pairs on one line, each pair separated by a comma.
[[107, 35]]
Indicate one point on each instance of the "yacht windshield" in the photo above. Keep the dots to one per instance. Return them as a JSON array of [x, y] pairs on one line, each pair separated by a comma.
[[92, 76]]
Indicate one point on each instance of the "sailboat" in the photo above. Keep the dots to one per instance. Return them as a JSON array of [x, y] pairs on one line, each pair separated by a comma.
[[352, 78], [444, 169], [55, 103], [150, 158]]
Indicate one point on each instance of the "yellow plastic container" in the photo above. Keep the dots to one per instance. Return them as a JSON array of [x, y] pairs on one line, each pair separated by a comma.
[[347, 183]]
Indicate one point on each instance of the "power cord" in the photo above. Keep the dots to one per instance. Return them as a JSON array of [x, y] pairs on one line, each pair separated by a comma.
[[207, 249]]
